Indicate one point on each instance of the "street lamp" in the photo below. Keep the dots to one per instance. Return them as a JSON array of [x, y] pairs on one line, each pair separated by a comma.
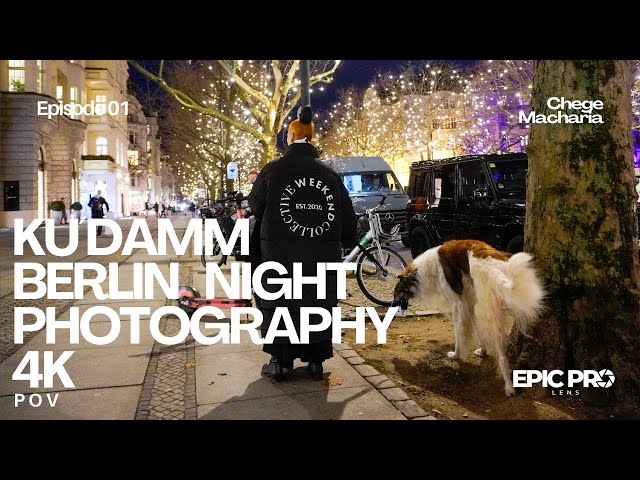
[[305, 98]]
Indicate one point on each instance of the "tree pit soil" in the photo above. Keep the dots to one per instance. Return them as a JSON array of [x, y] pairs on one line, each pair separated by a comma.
[[415, 357]]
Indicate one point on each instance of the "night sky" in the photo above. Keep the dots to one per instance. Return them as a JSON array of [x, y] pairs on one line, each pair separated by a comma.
[[359, 73]]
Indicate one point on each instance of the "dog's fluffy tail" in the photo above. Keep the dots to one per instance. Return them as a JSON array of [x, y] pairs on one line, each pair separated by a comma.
[[525, 294], [515, 284]]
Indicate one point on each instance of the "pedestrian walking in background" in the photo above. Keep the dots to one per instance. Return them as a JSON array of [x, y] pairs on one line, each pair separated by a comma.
[[156, 208], [146, 209], [97, 204], [63, 219], [305, 215], [192, 209]]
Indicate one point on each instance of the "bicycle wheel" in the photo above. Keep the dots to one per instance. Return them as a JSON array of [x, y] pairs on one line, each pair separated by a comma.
[[377, 280], [217, 256]]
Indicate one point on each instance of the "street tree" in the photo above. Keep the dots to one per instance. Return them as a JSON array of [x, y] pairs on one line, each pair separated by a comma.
[[495, 92], [581, 229], [410, 113], [268, 89], [430, 96], [209, 143], [361, 124]]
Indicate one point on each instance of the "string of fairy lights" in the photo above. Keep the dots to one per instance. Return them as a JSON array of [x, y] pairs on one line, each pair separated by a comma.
[[429, 111], [438, 111], [265, 91], [434, 111]]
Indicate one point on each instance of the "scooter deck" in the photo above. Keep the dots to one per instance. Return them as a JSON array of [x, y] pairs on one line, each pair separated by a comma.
[[189, 300]]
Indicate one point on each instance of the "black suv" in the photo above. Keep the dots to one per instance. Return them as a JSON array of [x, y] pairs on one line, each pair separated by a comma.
[[476, 196]]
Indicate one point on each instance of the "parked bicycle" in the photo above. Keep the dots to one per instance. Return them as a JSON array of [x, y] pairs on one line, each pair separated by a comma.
[[378, 265], [235, 207]]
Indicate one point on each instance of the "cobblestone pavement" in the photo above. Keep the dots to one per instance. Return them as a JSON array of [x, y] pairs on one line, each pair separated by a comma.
[[169, 388]]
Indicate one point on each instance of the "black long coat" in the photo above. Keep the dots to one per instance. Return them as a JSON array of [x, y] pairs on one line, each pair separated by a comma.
[[305, 215]]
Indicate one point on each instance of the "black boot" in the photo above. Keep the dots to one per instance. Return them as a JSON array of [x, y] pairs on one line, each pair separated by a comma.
[[315, 370], [273, 369], [287, 367]]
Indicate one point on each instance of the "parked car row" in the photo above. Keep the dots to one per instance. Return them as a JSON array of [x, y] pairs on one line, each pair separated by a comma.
[[467, 197]]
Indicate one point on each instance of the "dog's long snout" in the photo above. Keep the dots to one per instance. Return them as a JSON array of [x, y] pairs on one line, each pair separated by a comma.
[[400, 294]]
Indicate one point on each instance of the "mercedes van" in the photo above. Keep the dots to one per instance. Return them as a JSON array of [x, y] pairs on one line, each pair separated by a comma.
[[369, 178]]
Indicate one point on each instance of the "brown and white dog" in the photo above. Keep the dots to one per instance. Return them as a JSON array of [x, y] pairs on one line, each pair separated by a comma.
[[480, 288]]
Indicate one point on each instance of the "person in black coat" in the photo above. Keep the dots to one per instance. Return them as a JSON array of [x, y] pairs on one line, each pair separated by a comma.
[[305, 215], [97, 204]]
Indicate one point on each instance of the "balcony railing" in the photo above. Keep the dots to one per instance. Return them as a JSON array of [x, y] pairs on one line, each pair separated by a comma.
[[98, 157]]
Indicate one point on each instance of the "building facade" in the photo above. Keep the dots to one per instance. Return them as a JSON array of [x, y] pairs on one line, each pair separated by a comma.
[[137, 132], [154, 158], [104, 161], [40, 154], [47, 155]]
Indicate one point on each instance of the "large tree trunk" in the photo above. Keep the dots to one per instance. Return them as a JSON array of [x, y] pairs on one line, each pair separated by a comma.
[[269, 151], [581, 228]]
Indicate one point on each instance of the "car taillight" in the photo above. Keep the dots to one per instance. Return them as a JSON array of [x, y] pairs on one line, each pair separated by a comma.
[[419, 204]]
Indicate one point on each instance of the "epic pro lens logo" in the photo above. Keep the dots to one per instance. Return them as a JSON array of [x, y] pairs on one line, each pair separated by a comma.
[[606, 378], [562, 383]]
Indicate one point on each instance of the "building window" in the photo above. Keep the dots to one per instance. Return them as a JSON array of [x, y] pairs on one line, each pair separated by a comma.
[[449, 103], [16, 75], [148, 129], [73, 98], [148, 146], [11, 196], [132, 137], [101, 104], [59, 92], [446, 123], [132, 155], [133, 181], [101, 146], [39, 76]]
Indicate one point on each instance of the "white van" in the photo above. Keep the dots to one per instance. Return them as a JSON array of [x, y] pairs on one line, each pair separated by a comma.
[[369, 178]]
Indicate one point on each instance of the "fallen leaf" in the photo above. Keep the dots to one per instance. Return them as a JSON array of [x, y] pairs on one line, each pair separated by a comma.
[[334, 381], [465, 415], [437, 411], [221, 374], [211, 383], [190, 364]]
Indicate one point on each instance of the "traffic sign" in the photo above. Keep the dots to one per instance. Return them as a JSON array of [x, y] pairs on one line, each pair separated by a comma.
[[232, 171]]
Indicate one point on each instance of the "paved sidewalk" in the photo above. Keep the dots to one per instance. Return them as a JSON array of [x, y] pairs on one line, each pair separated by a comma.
[[187, 381]]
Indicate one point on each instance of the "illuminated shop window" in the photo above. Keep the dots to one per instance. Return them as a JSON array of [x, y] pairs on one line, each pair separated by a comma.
[[101, 146]]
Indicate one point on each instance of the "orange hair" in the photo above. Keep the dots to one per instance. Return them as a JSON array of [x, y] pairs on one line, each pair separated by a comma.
[[301, 130]]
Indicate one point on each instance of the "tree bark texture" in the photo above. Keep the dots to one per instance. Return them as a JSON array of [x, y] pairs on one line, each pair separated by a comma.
[[581, 229]]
